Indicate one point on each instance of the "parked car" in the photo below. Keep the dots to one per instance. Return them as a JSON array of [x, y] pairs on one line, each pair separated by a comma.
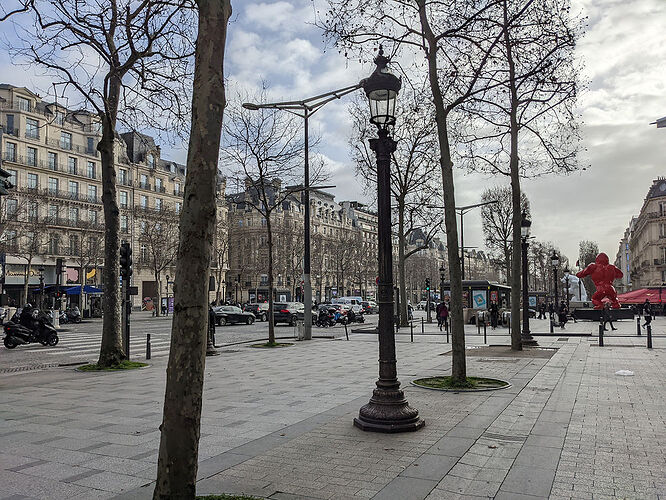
[[370, 307], [421, 306], [260, 310], [288, 312], [232, 314]]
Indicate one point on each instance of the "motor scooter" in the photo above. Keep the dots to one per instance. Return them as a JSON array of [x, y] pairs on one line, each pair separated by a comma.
[[42, 331]]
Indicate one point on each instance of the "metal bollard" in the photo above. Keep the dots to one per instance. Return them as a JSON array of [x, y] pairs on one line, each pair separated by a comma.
[[649, 336], [551, 326], [485, 338], [478, 325], [346, 332], [447, 333], [148, 346], [638, 326], [422, 326], [601, 334], [411, 330]]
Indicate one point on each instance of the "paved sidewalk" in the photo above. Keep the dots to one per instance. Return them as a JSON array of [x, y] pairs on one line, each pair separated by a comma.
[[278, 424]]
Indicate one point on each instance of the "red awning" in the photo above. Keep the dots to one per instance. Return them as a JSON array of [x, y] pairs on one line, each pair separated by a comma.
[[654, 295]]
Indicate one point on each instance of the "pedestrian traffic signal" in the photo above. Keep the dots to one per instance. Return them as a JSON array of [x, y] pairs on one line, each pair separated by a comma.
[[125, 261], [427, 284], [59, 266], [5, 185]]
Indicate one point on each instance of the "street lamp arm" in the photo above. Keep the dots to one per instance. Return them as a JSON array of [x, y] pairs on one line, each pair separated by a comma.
[[309, 104]]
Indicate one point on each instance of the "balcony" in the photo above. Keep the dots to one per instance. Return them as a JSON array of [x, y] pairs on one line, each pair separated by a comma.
[[160, 189], [32, 134], [124, 182], [178, 192], [145, 185], [68, 146], [12, 131]]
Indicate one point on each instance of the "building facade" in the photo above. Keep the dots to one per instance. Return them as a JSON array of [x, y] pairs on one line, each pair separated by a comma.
[[623, 259], [647, 242], [55, 210]]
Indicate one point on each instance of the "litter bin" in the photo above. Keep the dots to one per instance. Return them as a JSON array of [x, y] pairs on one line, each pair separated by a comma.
[[299, 330]]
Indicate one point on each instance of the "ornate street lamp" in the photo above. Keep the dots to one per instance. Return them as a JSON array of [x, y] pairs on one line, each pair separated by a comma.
[[388, 410], [442, 279], [555, 261], [41, 287], [525, 336]]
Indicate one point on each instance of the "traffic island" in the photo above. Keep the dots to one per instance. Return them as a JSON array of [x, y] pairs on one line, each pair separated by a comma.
[[471, 384], [123, 365]]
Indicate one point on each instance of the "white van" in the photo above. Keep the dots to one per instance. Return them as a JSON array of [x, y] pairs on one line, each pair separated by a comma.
[[350, 301]]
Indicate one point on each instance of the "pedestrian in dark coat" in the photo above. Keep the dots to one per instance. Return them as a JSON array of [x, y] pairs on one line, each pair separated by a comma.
[[607, 317]]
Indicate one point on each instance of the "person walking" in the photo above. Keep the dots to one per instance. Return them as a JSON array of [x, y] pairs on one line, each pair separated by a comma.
[[647, 313], [562, 314], [551, 311], [494, 315], [607, 316], [439, 318], [443, 316]]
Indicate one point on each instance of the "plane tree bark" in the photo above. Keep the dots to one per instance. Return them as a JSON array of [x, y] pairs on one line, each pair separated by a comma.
[[180, 430]]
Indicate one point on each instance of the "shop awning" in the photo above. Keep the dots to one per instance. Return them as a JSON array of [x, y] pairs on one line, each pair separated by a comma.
[[76, 290], [654, 295]]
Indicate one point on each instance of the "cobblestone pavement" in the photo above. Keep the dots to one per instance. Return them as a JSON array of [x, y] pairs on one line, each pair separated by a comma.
[[278, 424]]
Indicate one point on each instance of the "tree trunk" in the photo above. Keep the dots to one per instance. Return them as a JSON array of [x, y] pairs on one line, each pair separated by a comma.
[[516, 344], [28, 268], [158, 306], [179, 444], [111, 350], [458, 361], [271, 323], [404, 317]]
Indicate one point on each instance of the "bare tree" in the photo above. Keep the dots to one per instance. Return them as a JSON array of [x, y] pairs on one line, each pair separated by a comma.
[[524, 123], [158, 233], [497, 222], [458, 42], [413, 177], [264, 148], [86, 248], [221, 252], [127, 61], [587, 253], [180, 429]]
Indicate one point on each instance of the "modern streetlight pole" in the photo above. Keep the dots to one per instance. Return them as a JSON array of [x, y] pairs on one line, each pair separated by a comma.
[[525, 335], [462, 211], [555, 261], [41, 288], [566, 277], [305, 109], [388, 410]]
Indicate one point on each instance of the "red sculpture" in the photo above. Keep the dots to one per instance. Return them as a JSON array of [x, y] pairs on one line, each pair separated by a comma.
[[603, 274]]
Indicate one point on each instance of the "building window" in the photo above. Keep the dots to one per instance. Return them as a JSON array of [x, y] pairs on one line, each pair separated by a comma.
[[54, 244], [33, 181], [53, 214], [92, 217], [123, 223], [10, 240], [176, 188], [158, 185], [10, 154], [74, 215], [12, 207], [144, 182], [179, 205], [53, 186], [10, 125], [92, 193], [142, 227], [144, 201], [158, 204], [59, 118], [91, 170], [65, 140], [23, 103], [74, 190], [123, 199], [53, 161], [33, 211], [71, 165], [32, 157], [31, 128], [73, 245], [150, 158], [91, 145], [122, 176], [144, 252]]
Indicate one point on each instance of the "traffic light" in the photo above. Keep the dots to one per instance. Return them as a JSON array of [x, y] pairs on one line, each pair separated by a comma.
[[125, 261], [427, 284], [5, 185], [58, 267]]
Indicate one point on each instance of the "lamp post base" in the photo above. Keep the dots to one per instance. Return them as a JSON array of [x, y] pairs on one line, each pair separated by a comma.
[[389, 412], [527, 339]]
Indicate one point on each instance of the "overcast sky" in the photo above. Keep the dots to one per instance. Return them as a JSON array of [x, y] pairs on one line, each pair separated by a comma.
[[624, 61]]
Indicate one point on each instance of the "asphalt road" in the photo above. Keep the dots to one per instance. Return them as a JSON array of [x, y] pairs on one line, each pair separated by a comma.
[[80, 343]]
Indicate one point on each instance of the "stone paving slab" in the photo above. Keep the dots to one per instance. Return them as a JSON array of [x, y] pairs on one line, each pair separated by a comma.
[[278, 424]]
